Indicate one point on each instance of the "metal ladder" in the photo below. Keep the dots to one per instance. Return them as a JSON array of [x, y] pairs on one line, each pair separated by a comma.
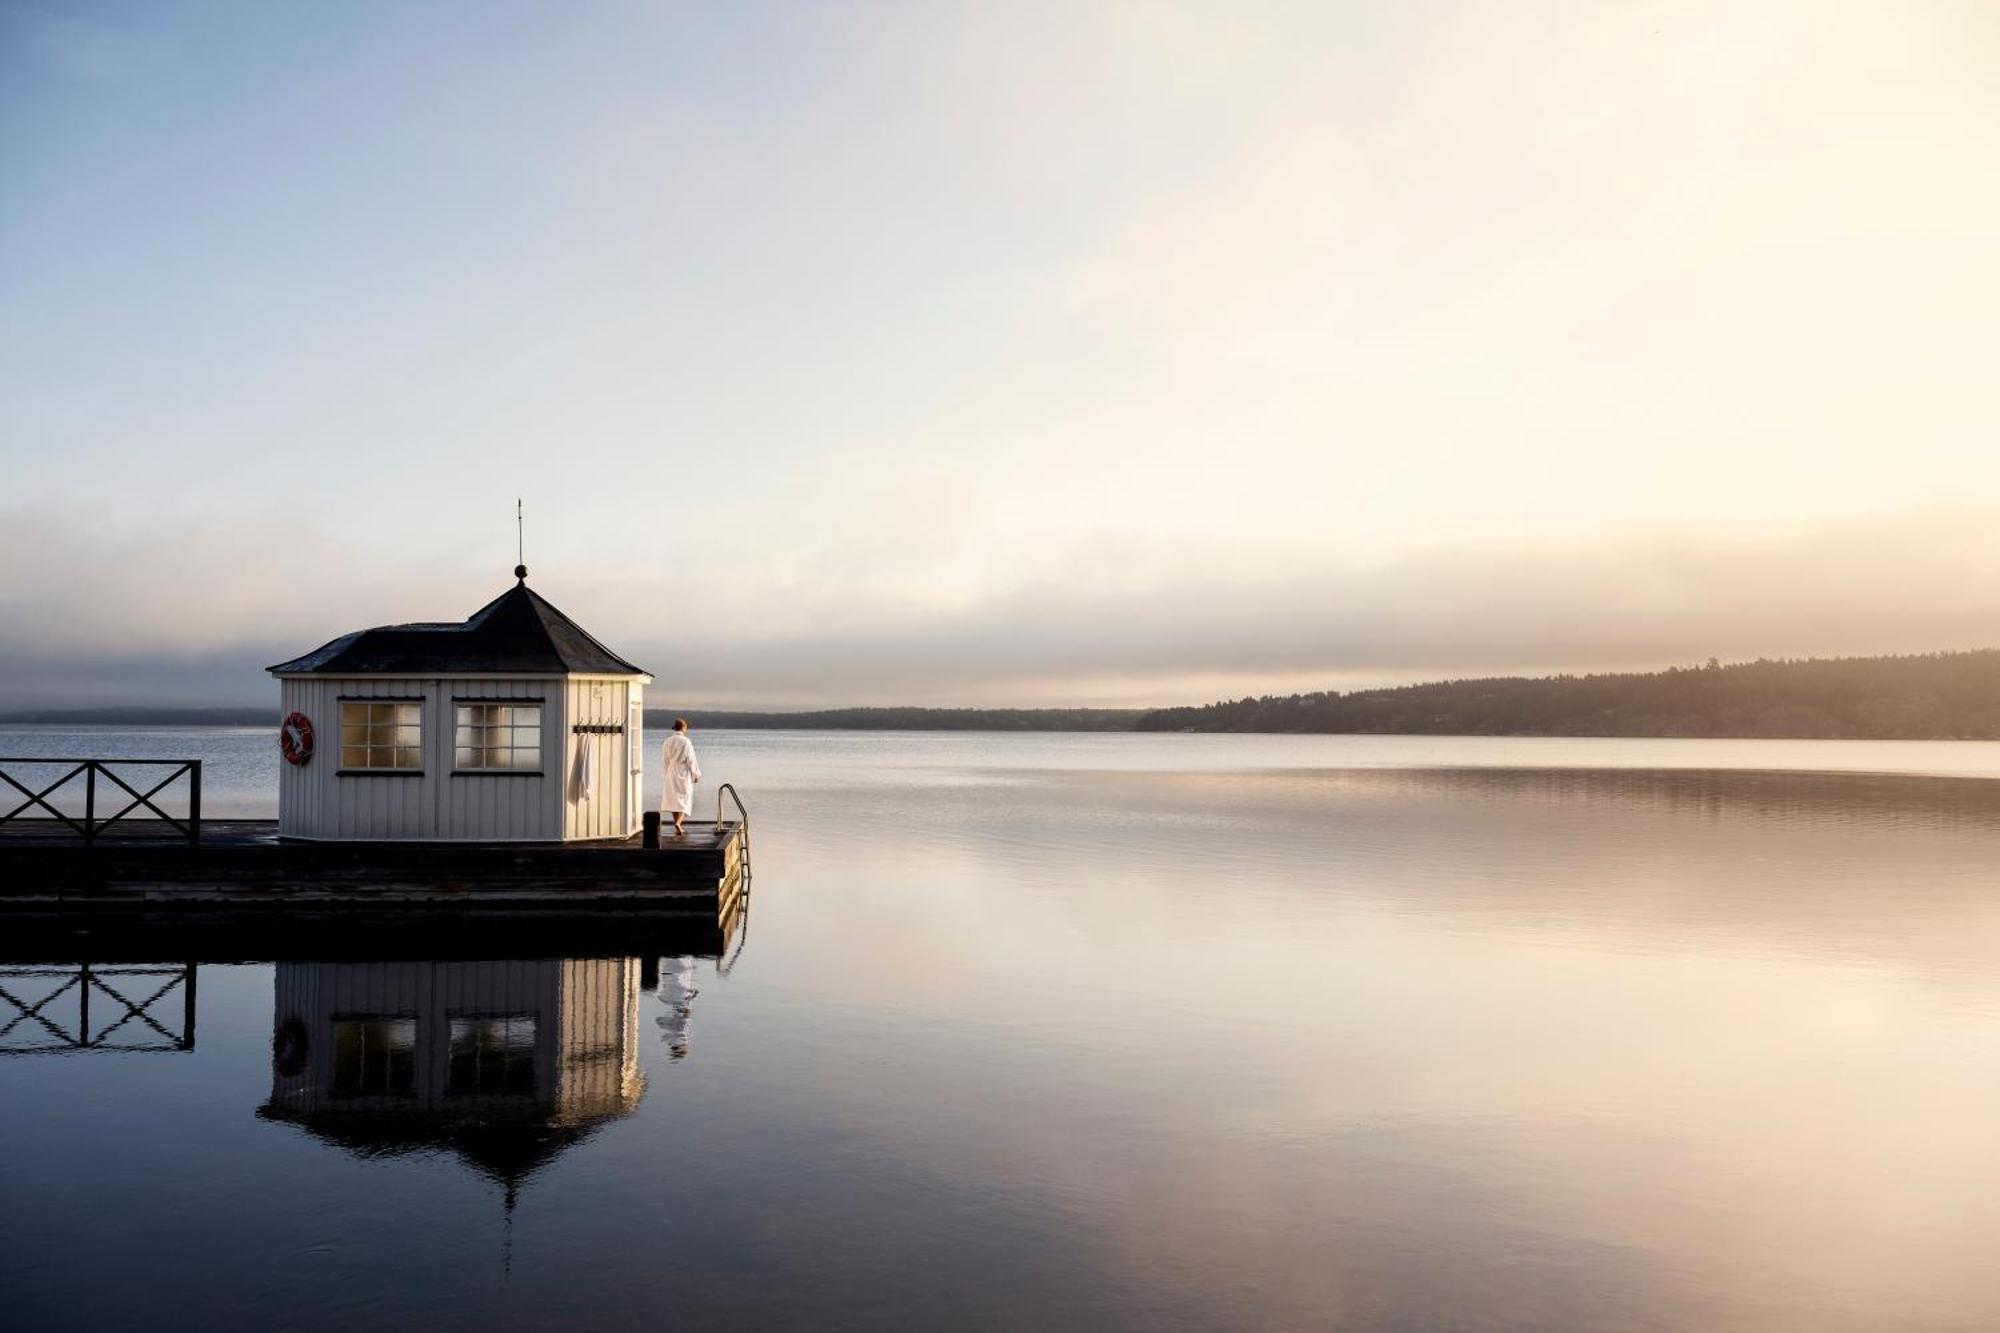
[[743, 820]]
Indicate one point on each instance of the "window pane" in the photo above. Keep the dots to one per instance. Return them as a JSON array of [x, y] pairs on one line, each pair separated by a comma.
[[463, 758], [407, 736], [382, 735], [409, 714], [406, 757], [353, 756], [464, 715], [353, 735], [492, 1054], [374, 1054], [528, 759], [381, 713]]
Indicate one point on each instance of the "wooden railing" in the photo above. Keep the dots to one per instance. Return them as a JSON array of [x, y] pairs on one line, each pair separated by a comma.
[[135, 1023], [88, 826]]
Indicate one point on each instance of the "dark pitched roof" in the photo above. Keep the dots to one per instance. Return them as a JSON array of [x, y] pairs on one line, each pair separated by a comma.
[[515, 633], [507, 1144]]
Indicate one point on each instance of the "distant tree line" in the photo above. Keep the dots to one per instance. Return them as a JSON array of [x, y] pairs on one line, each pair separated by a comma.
[[1942, 696], [145, 716]]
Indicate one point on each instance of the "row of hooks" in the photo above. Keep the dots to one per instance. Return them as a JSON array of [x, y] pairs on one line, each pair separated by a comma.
[[598, 728]]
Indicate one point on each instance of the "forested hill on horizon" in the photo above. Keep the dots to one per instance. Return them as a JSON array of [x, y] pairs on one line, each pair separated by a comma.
[[1929, 696]]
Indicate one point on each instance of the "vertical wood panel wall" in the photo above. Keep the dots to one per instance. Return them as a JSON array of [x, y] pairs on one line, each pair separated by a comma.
[[610, 812], [489, 808], [586, 1011], [316, 801]]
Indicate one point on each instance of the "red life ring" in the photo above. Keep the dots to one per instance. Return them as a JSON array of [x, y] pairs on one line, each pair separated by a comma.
[[288, 1048], [295, 738]]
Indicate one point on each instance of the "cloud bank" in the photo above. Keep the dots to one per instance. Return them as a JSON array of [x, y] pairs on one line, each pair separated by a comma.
[[999, 354], [158, 618]]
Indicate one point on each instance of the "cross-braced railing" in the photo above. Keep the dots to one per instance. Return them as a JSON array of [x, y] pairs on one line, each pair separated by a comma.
[[38, 1020], [85, 823]]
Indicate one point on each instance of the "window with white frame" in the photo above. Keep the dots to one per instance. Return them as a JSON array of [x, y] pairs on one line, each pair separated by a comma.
[[498, 738], [492, 1053], [374, 1055], [382, 734]]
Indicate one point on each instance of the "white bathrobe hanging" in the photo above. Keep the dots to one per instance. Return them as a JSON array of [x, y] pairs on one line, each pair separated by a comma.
[[678, 774], [586, 769]]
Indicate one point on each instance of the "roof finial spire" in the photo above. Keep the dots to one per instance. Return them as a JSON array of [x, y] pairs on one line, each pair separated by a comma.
[[520, 544]]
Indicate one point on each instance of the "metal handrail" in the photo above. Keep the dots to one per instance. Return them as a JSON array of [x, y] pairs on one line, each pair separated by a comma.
[[88, 769], [742, 817], [723, 967]]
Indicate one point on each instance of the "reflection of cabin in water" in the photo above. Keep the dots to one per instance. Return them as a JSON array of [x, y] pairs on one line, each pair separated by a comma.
[[514, 724], [506, 1063]]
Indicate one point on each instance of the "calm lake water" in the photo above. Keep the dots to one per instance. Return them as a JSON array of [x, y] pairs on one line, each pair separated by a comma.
[[1097, 1032]]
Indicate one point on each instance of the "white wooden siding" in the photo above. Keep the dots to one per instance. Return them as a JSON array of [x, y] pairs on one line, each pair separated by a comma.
[[586, 1029], [298, 787], [610, 811], [489, 808], [316, 801]]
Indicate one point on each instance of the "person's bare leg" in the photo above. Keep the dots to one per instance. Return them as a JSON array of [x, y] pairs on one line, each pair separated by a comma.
[[679, 832]]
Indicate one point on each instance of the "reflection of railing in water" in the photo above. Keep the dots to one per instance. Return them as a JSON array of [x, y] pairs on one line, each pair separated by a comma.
[[738, 923], [91, 826], [84, 1034]]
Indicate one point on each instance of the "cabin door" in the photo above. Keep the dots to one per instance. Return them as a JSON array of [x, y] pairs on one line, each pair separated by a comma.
[[439, 739], [635, 752]]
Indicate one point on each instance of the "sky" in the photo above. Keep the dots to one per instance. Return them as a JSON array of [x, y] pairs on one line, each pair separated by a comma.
[[1024, 354]]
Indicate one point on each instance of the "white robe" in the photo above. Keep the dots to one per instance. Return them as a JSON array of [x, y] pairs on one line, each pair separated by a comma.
[[678, 774], [586, 770]]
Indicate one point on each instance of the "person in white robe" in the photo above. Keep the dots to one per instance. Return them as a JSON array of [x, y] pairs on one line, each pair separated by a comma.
[[679, 771]]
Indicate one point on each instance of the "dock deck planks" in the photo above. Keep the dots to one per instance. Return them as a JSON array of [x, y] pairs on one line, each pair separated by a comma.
[[242, 865]]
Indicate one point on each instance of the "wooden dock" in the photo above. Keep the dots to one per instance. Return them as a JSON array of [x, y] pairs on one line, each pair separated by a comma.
[[242, 867], [361, 934]]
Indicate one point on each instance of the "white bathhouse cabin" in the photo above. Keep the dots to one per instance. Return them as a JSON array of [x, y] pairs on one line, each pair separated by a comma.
[[514, 726]]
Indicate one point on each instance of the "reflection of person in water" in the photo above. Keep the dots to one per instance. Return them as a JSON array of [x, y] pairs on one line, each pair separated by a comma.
[[677, 992]]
